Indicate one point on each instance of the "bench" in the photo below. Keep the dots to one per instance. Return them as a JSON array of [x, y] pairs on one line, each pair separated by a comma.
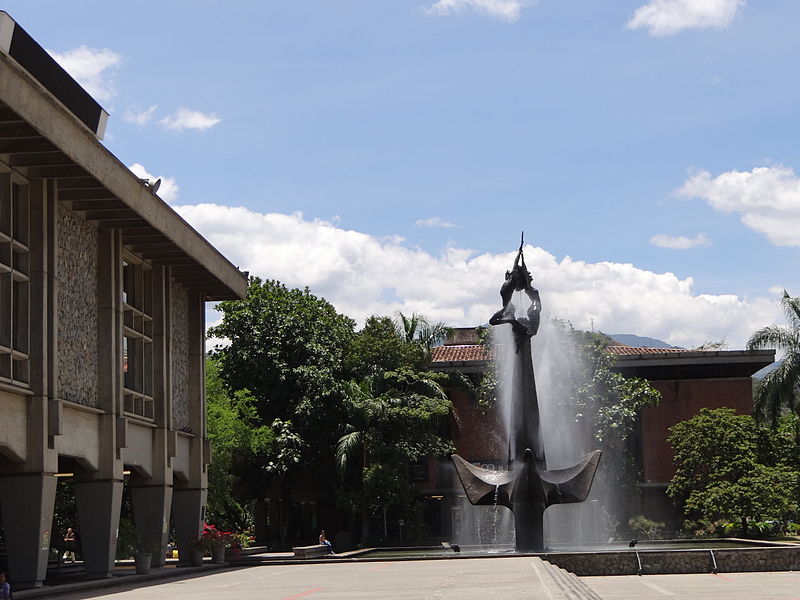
[[314, 551]]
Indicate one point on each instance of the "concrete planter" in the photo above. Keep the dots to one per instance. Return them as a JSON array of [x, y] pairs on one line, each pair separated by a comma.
[[218, 554], [142, 560]]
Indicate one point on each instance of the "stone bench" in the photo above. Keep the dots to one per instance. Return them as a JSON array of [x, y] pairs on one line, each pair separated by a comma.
[[314, 551]]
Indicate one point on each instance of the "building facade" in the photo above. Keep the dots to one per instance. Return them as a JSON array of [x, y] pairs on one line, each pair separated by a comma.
[[102, 328]]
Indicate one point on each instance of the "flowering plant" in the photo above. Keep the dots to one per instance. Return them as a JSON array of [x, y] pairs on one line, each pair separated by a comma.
[[213, 537]]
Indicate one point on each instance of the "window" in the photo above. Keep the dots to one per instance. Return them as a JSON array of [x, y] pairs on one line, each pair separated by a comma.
[[137, 341], [14, 280]]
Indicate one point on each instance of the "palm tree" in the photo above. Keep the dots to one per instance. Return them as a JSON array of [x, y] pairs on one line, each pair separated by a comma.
[[780, 389], [417, 329]]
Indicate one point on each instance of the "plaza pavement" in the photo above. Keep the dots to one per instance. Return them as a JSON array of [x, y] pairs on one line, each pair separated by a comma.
[[452, 579]]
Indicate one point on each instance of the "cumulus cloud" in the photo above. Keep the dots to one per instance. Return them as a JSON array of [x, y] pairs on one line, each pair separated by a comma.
[[667, 17], [186, 118], [507, 10], [766, 198], [679, 242], [434, 222], [140, 118], [167, 191], [364, 275], [94, 69]]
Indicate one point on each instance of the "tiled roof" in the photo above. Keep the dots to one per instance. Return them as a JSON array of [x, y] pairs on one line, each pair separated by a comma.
[[458, 353], [628, 350]]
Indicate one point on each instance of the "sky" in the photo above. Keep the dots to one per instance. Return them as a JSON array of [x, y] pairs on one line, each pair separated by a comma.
[[387, 154]]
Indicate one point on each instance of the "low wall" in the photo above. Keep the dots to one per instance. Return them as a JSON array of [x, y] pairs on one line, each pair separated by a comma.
[[728, 560]]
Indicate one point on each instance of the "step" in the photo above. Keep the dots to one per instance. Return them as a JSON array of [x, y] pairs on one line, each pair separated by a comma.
[[563, 585]]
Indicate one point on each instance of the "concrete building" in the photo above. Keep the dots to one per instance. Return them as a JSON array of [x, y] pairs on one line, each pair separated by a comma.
[[102, 307], [687, 379]]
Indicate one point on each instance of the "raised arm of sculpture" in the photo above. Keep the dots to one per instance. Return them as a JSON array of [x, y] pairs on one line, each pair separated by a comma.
[[519, 279]]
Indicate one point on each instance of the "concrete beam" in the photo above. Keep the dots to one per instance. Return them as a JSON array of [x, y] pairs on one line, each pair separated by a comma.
[[64, 132]]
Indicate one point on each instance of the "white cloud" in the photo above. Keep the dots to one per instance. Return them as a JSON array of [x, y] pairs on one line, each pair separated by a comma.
[[679, 242], [767, 198], [92, 68], [185, 118], [141, 117], [167, 191], [363, 275], [434, 222], [508, 10], [667, 17]]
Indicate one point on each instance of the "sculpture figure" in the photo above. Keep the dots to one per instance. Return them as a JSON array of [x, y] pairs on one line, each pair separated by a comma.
[[528, 487]]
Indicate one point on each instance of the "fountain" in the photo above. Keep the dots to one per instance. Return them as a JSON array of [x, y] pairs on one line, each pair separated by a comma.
[[528, 487]]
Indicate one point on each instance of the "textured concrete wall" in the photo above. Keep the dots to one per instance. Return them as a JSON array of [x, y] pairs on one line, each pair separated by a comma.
[[729, 560], [80, 436], [77, 309], [180, 357], [13, 426]]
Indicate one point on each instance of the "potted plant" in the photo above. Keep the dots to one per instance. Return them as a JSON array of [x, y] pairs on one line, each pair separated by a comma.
[[146, 550], [214, 541]]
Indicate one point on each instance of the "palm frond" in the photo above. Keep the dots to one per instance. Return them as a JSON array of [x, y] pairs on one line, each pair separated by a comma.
[[778, 390], [347, 445], [791, 308], [775, 336]]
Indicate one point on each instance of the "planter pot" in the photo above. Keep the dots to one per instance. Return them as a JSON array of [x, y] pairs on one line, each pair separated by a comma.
[[142, 560], [218, 554], [196, 558]]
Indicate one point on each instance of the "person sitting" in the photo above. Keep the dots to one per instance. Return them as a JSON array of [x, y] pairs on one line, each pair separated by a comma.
[[324, 541], [5, 588]]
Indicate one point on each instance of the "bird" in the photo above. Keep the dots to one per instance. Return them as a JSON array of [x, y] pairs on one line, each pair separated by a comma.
[[633, 543], [456, 548]]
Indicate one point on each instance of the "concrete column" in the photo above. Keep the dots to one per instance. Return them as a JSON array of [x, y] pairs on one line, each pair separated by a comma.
[[188, 512], [99, 504], [27, 502], [151, 509]]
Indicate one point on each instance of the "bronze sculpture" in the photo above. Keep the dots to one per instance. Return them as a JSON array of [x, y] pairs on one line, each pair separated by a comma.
[[528, 487]]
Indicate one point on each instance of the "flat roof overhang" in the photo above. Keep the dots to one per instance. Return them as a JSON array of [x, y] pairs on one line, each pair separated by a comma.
[[694, 364], [41, 138]]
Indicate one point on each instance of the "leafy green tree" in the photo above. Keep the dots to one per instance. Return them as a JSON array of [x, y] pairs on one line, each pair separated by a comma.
[[394, 421], [288, 348], [779, 390], [236, 434], [396, 415], [730, 468], [379, 347]]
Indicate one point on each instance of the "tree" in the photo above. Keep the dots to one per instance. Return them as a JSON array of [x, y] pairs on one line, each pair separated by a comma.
[[288, 348], [418, 330], [779, 389], [396, 413], [378, 347], [730, 468]]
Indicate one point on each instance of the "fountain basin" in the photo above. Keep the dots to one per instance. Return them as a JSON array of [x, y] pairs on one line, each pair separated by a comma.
[[728, 555]]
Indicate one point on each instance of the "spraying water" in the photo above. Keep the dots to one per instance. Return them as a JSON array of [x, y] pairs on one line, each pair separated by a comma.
[[528, 487]]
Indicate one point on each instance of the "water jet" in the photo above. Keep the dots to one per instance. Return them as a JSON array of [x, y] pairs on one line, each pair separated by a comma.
[[528, 487]]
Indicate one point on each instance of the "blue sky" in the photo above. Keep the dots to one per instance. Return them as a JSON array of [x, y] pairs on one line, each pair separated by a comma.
[[387, 154]]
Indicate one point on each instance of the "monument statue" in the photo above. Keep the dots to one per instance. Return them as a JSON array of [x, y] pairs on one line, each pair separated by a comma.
[[528, 487]]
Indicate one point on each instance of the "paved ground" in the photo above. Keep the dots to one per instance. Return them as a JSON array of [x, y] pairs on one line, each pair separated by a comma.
[[456, 579]]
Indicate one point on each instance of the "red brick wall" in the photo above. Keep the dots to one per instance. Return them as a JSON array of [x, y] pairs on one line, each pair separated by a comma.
[[681, 400], [477, 432]]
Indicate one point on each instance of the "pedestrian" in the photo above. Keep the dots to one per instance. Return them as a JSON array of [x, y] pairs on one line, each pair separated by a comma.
[[5, 588], [69, 545], [324, 541]]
